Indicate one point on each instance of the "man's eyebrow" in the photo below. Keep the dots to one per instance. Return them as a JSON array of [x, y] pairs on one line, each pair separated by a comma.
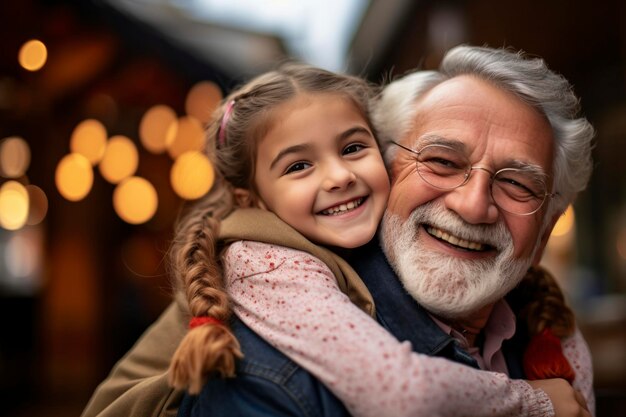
[[528, 167], [291, 149], [425, 140]]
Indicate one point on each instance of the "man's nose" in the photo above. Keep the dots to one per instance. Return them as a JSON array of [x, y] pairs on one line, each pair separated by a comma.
[[338, 176], [473, 201]]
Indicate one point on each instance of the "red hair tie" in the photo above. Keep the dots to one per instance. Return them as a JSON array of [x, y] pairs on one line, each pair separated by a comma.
[[544, 358], [201, 321]]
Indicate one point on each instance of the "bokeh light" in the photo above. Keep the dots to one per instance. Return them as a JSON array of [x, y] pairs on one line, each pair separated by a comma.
[[13, 205], [135, 200], [21, 255], [192, 175], [89, 139], [38, 205], [189, 137], [33, 55], [202, 99], [74, 177], [157, 128], [14, 157], [565, 223], [120, 159]]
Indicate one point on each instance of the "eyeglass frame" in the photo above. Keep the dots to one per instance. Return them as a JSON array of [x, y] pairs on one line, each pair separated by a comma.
[[468, 174]]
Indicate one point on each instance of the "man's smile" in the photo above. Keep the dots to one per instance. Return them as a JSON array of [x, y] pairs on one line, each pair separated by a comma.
[[455, 240]]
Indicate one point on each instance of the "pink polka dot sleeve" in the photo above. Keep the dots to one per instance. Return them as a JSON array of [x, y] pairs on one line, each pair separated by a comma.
[[292, 300], [577, 353]]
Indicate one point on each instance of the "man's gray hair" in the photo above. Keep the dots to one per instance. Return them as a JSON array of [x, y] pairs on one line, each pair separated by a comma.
[[529, 79]]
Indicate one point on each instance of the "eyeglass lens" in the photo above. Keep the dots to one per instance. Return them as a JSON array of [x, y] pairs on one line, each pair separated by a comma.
[[513, 190]]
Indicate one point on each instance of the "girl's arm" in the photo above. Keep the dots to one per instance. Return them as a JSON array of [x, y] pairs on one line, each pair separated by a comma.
[[292, 300], [577, 353]]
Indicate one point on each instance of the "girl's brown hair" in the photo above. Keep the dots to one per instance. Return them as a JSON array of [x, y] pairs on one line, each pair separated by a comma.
[[244, 117], [542, 306]]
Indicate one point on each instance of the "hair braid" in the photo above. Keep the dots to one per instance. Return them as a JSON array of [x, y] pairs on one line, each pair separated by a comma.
[[546, 307], [549, 321], [211, 348]]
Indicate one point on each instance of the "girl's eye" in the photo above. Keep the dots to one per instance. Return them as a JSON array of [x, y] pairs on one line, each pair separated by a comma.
[[352, 148], [298, 166]]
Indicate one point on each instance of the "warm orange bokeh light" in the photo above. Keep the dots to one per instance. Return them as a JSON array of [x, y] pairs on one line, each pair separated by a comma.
[[192, 175], [189, 137], [14, 157], [38, 205], [13, 205], [156, 128], [565, 223], [89, 139], [202, 99], [74, 177], [135, 200], [120, 159], [33, 55]]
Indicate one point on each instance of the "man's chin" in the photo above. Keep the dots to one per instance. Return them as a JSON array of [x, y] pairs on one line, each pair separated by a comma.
[[462, 306], [446, 285]]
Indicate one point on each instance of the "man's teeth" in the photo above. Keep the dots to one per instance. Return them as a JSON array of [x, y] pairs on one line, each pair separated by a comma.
[[343, 208], [455, 240]]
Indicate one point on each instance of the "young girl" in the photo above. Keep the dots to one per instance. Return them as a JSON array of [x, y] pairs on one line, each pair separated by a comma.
[[298, 142]]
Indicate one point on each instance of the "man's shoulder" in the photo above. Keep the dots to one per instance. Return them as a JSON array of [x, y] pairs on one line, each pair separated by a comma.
[[267, 383]]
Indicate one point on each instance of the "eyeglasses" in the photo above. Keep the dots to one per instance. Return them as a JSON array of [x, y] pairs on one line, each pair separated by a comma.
[[516, 191]]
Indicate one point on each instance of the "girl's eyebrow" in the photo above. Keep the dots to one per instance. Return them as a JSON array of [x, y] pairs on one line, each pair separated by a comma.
[[291, 149], [306, 146]]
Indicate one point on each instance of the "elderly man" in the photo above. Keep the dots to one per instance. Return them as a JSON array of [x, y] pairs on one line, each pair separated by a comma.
[[484, 156]]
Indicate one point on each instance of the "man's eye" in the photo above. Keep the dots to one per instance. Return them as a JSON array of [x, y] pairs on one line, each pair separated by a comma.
[[437, 163], [298, 166], [517, 188], [352, 148], [444, 162]]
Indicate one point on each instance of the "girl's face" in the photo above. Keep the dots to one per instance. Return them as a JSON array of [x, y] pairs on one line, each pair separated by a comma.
[[320, 170]]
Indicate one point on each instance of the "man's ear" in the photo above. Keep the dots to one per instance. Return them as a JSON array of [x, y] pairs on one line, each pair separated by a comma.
[[246, 199], [545, 237]]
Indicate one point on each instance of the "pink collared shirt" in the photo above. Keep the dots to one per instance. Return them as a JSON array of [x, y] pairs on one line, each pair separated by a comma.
[[500, 327]]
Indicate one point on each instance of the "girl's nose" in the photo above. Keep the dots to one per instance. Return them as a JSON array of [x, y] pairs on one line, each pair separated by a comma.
[[338, 177]]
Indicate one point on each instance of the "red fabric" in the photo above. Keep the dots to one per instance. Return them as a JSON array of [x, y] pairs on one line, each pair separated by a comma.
[[201, 321], [544, 358]]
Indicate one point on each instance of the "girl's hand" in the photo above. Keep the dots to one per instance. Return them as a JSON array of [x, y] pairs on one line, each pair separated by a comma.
[[566, 401]]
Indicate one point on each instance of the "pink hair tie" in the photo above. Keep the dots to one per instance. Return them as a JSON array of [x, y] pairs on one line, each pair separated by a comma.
[[227, 112], [201, 321]]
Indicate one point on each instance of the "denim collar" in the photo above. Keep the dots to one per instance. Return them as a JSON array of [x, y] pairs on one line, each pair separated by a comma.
[[398, 312]]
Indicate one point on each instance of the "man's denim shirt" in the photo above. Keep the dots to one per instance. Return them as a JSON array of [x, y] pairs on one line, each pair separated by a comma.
[[270, 384]]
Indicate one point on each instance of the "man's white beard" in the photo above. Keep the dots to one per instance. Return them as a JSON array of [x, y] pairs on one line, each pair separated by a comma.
[[445, 285]]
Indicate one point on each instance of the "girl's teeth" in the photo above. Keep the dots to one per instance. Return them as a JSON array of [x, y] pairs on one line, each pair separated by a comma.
[[342, 208]]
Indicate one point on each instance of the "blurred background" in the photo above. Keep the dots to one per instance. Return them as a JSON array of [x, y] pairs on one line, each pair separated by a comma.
[[102, 106]]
